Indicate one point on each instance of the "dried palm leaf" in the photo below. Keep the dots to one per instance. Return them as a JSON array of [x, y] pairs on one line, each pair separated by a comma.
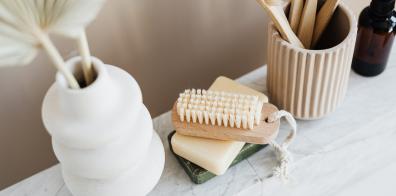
[[25, 24]]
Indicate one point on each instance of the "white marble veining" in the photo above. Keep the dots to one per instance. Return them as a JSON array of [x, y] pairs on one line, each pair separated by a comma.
[[350, 152]]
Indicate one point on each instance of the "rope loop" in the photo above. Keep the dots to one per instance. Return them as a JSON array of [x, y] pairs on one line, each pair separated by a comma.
[[281, 151]]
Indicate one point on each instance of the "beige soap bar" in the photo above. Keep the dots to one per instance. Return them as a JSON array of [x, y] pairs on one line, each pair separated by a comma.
[[213, 155], [225, 84]]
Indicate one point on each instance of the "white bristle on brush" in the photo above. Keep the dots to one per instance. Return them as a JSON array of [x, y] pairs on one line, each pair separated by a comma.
[[219, 108]]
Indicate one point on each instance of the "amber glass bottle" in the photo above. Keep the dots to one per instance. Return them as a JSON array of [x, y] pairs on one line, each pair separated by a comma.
[[377, 24]]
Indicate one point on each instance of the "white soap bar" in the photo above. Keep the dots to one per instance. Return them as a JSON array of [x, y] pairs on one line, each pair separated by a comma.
[[213, 155]]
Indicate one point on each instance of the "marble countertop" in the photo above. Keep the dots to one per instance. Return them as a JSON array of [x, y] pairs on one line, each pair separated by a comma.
[[350, 152]]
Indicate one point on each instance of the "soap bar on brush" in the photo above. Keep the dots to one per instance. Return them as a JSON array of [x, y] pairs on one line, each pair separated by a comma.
[[215, 156], [200, 175]]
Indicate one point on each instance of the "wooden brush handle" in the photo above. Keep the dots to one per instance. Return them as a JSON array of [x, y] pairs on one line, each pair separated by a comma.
[[323, 19], [261, 134], [307, 23], [282, 24], [296, 8]]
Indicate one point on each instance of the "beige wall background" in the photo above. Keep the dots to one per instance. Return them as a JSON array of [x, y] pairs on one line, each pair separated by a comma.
[[166, 45]]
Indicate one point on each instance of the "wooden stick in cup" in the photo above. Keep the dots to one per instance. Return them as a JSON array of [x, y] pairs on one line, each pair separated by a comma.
[[296, 8], [275, 10], [323, 19], [307, 22]]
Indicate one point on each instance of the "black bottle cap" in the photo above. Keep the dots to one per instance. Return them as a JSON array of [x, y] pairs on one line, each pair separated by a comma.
[[382, 7]]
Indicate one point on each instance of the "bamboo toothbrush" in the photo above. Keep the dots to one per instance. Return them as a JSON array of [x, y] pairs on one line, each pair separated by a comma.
[[307, 23], [223, 116], [323, 19], [274, 9], [296, 8]]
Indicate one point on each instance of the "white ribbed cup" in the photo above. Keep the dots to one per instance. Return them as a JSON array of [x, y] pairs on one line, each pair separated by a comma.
[[310, 84]]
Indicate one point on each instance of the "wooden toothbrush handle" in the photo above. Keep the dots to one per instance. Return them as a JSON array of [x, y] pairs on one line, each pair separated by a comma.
[[323, 18], [282, 24], [296, 8], [307, 23]]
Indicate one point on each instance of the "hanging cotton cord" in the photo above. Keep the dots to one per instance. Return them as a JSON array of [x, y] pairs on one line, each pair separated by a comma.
[[282, 170]]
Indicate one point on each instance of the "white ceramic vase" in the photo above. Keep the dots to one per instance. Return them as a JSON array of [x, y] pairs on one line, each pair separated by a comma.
[[103, 134]]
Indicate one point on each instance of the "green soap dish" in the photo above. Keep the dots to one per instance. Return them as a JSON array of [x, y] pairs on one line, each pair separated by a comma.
[[199, 175]]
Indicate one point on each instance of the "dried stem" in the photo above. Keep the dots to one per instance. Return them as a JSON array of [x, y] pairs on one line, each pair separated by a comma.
[[56, 58], [86, 58]]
